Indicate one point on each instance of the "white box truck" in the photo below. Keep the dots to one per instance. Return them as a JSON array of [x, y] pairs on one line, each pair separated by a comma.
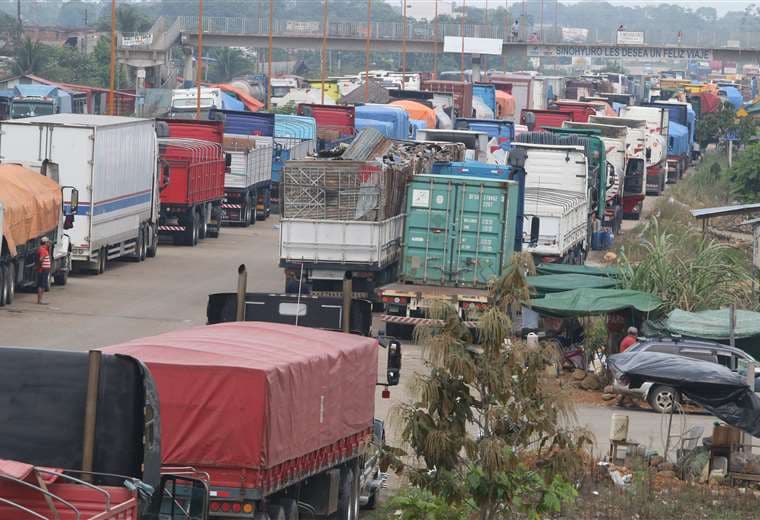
[[112, 161], [657, 120]]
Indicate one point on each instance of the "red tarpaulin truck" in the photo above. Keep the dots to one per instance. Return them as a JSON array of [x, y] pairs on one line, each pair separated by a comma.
[[273, 414], [581, 110], [537, 120], [193, 167], [335, 124]]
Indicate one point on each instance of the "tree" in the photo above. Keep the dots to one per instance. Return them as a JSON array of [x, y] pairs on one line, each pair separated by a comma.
[[745, 175], [229, 63], [483, 407], [129, 19], [74, 12], [32, 56], [713, 127]]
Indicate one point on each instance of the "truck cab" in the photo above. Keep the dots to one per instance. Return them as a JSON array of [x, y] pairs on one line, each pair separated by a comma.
[[38, 100]]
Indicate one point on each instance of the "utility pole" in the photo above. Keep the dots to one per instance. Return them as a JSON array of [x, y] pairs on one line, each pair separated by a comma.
[[112, 78], [461, 32], [324, 49], [199, 62], [436, 39], [403, 48], [541, 21], [269, 58], [366, 51]]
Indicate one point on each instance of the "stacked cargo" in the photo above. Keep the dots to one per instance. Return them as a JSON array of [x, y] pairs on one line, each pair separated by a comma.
[[249, 172], [346, 216]]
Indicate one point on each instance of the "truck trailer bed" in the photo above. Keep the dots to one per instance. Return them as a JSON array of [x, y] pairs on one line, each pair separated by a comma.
[[260, 405]]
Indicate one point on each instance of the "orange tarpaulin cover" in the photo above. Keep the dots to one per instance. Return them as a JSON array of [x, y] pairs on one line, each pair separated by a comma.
[[505, 105], [417, 111], [32, 204], [250, 102]]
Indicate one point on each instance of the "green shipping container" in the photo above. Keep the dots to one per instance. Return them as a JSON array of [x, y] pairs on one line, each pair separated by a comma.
[[459, 231]]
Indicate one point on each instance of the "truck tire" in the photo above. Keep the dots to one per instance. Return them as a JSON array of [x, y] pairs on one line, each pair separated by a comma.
[[11, 281], [61, 277], [3, 285], [138, 245], [252, 202], [152, 250], [245, 211], [290, 506], [102, 261], [348, 495], [276, 512], [203, 229], [144, 248]]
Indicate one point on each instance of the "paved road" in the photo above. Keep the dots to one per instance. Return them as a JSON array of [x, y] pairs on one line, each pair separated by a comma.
[[169, 292]]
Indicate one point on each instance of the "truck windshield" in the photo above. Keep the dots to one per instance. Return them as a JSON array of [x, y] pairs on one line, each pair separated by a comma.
[[280, 91], [190, 103], [26, 109]]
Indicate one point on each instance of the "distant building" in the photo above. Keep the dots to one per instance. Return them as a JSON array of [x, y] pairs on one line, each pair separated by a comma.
[[83, 40]]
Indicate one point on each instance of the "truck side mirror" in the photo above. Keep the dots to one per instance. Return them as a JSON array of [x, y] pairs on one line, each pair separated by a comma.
[[70, 209], [165, 174], [68, 222], [180, 498], [394, 363], [227, 159], [74, 204]]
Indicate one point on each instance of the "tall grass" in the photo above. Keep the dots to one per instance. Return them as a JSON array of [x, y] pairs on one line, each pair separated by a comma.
[[686, 270]]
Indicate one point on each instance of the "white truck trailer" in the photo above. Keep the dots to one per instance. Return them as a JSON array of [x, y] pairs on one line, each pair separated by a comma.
[[112, 162], [555, 215], [249, 173], [657, 120]]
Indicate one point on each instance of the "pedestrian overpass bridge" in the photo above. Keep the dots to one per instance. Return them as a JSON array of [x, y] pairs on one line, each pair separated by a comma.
[[151, 49]]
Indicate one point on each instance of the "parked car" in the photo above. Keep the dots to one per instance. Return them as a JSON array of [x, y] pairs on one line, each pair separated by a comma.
[[660, 397]]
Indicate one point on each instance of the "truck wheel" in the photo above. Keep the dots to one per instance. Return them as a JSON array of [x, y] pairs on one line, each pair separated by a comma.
[[10, 280], [196, 229], [62, 276], [3, 285], [138, 245], [102, 261], [153, 248], [203, 229], [290, 506], [245, 212], [348, 496], [276, 512], [144, 248]]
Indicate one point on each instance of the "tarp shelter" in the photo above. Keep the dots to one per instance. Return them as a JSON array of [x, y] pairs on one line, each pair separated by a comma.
[[591, 302], [251, 103], [711, 325], [417, 111], [577, 269], [716, 388], [552, 283]]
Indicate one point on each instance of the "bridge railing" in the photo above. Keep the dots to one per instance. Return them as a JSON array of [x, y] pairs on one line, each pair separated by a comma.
[[426, 31]]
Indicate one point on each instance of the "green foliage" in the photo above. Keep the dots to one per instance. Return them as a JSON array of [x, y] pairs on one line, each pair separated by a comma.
[[745, 175], [129, 19], [485, 407], [711, 128], [228, 63], [32, 56], [420, 504], [686, 270]]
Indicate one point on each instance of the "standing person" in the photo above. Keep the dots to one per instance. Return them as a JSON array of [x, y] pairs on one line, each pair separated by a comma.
[[630, 339], [43, 269], [515, 30]]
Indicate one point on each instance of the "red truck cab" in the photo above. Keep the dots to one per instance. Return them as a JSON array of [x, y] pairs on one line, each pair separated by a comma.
[[581, 110]]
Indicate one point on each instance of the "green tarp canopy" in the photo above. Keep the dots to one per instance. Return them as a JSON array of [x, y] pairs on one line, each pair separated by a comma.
[[551, 283], [589, 270], [713, 324], [590, 302]]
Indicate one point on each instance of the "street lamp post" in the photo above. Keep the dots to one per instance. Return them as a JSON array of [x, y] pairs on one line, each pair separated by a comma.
[[324, 49], [366, 51], [199, 62]]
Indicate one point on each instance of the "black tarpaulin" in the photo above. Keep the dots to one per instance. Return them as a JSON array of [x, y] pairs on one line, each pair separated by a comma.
[[716, 388]]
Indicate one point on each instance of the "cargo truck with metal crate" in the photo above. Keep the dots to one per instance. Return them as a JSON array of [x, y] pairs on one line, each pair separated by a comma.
[[193, 166], [32, 208], [112, 162], [634, 178], [249, 173], [345, 217], [459, 235]]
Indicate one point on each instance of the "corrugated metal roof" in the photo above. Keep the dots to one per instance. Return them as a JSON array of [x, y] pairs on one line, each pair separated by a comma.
[[85, 120], [363, 145], [724, 210]]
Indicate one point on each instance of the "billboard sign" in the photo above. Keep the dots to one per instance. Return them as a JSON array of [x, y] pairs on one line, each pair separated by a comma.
[[490, 46], [630, 38], [618, 52]]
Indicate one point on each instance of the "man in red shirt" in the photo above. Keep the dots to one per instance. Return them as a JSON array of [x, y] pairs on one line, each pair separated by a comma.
[[43, 269], [630, 339]]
